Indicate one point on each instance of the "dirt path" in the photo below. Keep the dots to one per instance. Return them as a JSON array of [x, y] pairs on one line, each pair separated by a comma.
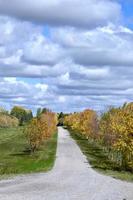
[[71, 179]]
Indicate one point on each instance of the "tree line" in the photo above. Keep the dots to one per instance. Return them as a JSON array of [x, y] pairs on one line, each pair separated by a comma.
[[113, 131], [17, 116]]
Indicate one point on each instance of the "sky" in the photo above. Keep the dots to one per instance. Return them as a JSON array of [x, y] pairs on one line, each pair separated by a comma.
[[66, 55]]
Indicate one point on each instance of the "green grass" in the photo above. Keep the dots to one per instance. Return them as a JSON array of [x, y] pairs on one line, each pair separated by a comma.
[[15, 160], [99, 160]]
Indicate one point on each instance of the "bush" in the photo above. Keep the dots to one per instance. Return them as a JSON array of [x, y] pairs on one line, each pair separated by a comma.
[[7, 121]]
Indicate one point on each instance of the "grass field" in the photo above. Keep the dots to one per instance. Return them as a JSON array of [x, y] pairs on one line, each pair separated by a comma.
[[14, 159], [99, 160]]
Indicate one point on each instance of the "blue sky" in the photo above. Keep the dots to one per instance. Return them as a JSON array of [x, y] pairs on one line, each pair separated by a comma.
[[54, 54], [127, 9]]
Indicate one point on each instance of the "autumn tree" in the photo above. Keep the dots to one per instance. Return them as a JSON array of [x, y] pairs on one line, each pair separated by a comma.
[[41, 128], [116, 127], [34, 134], [84, 122], [113, 131]]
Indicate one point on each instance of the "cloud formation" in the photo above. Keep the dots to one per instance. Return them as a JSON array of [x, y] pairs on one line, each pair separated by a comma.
[[77, 13], [85, 59]]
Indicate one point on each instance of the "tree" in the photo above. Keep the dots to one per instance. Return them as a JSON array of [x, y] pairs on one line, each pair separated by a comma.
[[85, 123], [114, 131], [22, 114], [116, 127], [45, 110], [39, 112], [3, 111], [61, 117], [39, 129], [34, 134]]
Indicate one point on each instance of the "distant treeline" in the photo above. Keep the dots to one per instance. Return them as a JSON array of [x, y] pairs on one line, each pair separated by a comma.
[[17, 116], [113, 131]]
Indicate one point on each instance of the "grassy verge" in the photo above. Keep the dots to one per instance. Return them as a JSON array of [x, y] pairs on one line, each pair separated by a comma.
[[99, 160], [15, 160]]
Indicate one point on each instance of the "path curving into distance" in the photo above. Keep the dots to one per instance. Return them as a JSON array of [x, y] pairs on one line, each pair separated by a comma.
[[71, 179]]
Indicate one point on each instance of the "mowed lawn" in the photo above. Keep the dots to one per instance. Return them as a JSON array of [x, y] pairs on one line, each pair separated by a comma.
[[15, 157]]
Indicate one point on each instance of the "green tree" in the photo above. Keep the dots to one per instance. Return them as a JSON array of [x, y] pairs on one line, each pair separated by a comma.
[[39, 112], [61, 117], [22, 114], [45, 110]]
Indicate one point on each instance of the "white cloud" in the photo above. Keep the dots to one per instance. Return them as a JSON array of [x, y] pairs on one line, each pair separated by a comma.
[[41, 51], [85, 60], [62, 99], [10, 79], [42, 87], [106, 46]]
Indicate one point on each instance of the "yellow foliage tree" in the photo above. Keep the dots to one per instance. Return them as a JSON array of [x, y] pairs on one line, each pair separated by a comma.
[[116, 127], [85, 123]]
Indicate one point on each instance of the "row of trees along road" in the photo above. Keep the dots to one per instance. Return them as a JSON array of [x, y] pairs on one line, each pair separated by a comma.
[[113, 131]]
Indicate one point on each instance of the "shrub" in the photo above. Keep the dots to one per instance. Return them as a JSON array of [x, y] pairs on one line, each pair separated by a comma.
[[7, 121]]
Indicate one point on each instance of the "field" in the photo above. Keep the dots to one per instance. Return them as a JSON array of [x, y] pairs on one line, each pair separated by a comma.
[[15, 157], [99, 159]]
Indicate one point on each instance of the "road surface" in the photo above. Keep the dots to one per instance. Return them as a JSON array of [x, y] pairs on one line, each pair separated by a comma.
[[72, 178]]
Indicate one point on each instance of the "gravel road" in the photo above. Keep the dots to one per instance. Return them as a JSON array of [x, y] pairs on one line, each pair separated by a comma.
[[71, 179]]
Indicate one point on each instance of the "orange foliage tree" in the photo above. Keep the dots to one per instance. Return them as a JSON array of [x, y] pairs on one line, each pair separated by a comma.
[[41, 128]]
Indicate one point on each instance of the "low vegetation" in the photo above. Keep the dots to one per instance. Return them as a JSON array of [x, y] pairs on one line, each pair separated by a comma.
[[7, 121]]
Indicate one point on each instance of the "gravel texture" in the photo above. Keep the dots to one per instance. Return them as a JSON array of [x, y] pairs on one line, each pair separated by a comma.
[[72, 178]]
